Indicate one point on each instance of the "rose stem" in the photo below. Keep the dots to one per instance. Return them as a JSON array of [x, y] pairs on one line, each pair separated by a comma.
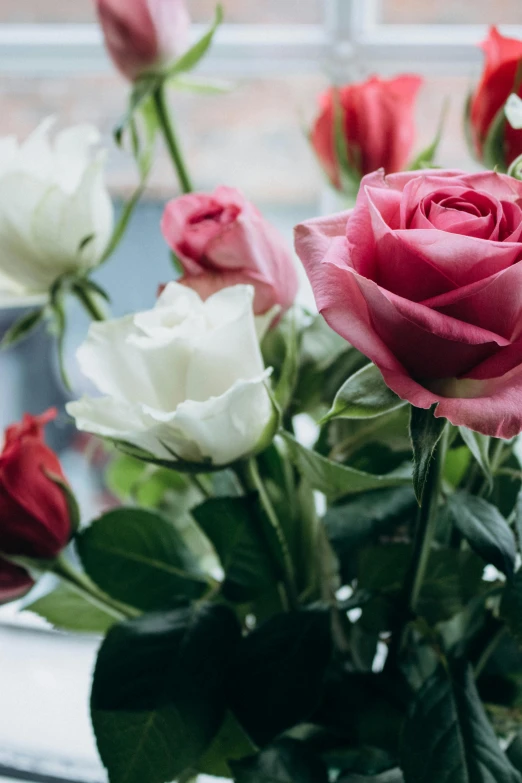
[[424, 535], [95, 312], [167, 127], [250, 479], [83, 585], [426, 523]]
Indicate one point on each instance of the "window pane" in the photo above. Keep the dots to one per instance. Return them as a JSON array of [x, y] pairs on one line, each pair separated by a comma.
[[250, 137], [267, 11], [451, 12], [453, 151], [46, 11], [264, 11]]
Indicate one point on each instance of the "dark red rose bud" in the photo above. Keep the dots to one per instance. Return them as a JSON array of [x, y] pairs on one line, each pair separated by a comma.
[[34, 515]]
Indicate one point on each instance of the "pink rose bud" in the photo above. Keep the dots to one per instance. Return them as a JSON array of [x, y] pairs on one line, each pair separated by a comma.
[[222, 240], [377, 126], [144, 35]]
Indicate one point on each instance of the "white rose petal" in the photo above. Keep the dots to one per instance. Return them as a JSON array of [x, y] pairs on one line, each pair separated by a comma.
[[55, 212], [513, 111], [185, 379]]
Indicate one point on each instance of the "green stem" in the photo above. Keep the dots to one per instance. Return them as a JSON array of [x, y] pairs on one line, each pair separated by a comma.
[[424, 535], [89, 303], [82, 585], [489, 650], [199, 484], [171, 140], [426, 524], [250, 477]]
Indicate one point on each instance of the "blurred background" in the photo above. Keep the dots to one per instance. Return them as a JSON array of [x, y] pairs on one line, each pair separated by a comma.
[[277, 55]]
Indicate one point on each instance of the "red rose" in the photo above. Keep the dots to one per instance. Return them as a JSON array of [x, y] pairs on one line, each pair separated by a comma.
[[222, 240], [500, 78], [144, 35], [424, 277], [378, 125], [34, 515]]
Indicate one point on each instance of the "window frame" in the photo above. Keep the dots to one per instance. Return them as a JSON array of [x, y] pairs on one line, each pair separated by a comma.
[[350, 42]]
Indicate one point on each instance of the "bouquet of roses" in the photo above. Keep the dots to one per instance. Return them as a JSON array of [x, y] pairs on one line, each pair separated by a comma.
[[313, 574]]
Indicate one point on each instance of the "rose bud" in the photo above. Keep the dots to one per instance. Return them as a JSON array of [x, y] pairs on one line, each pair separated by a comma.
[[56, 215], [222, 240], [144, 36], [35, 521], [183, 381], [376, 126], [424, 277], [495, 142]]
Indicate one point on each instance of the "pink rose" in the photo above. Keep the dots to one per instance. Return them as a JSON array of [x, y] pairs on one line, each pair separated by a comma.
[[378, 125], [423, 277], [144, 35], [222, 240]]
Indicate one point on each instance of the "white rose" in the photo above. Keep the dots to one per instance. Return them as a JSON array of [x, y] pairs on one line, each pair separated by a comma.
[[55, 212], [186, 378], [513, 111]]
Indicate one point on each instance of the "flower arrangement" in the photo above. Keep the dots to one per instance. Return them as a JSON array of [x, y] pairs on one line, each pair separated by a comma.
[[312, 573]]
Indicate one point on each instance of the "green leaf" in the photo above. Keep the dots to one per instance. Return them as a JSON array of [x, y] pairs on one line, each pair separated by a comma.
[[447, 737], [286, 761], [479, 446], [288, 378], [129, 479], [233, 526], [349, 174], [364, 396], [391, 776], [518, 518], [485, 530], [456, 465], [230, 744], [452, 577], [276, 677], [68, 610], [141, 91], [158, 696], [22, 328], [336, 480], [514, 752], [201, 85], [494, 148], [144, 156], [425, 432], [191, 58], [361, 520], [425, 158], [511, 606], [137, 557], [366, 707]]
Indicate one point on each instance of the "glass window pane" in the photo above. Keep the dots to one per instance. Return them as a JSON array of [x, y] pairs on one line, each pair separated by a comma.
[[451, 12], [48, 11], [250, 137], [245, 11], [453, 151], [264, 11]]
